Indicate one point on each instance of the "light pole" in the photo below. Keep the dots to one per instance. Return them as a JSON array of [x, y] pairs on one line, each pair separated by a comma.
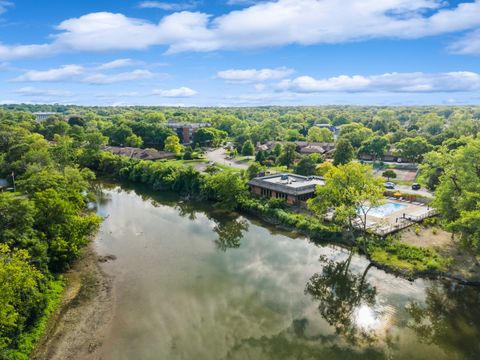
[[13, 180]]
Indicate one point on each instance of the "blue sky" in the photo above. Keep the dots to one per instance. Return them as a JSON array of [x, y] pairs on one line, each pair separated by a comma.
[[240, 52]]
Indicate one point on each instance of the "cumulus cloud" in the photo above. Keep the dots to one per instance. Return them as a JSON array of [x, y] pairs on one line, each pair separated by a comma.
[[254, 75], [418, 82], [263, 24], [65, 72], [181, 92], [167, 6], [101, 78]]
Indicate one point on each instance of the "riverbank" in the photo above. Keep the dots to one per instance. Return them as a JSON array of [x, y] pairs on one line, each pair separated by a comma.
[[76, 330]]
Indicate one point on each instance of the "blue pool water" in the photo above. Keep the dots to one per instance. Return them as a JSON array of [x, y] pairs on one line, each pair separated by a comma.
[[386, 209]]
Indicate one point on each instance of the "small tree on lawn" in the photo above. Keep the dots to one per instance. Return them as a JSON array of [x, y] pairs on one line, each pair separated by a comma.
[[248, 149], [389, 174]]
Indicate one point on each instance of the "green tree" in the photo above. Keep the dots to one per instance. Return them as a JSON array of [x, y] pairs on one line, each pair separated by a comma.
[[355, 133], [248, 149], [306, 166], [457, 197], [317, 134], [288, 155], [226, 188], [172, 144], [260, 156], [344, 152], [389, 174], [21, 295], [277, 149], [351, 190], [253, 170], [413, 148], [134, 141], [376, 146]]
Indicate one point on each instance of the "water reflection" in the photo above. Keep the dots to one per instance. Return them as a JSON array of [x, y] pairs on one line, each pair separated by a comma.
[[449, 318], [230, 232], [345, 299]]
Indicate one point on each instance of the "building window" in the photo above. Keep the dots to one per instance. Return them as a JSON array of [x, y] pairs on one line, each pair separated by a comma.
[[266, 192], [280, 195]]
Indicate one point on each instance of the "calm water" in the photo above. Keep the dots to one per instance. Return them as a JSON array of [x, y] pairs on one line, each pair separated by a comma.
[[195, 283]]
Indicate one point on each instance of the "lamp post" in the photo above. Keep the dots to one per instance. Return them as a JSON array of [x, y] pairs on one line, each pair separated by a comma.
[[13, 181]]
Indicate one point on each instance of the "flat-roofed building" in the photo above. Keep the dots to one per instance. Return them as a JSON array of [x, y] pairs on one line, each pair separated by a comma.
[[295, 189], [185, 131], [42, 116]]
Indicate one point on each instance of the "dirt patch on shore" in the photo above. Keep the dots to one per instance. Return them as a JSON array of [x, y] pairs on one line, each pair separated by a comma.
[[464, 264], [77, 329], [427, 237]]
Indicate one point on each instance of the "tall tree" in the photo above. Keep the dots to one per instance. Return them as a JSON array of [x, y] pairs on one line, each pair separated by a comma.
[[351, 191], [248, 149], [172, 144], [288, 155], [344, 152]]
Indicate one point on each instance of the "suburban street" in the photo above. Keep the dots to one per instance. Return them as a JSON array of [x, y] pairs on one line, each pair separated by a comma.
[[220, 156]]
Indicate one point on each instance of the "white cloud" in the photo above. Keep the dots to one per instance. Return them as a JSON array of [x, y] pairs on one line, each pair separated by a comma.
[[254, 75], [65, 72], [168, 6], [101, 78], [118, 63], [176, 93], [264, 24], [469, 44], [4, 5], [418, 82], [35, 92]]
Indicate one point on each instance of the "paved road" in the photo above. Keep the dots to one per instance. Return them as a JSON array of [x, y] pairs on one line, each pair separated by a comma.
[[408, 190], [220, 156]]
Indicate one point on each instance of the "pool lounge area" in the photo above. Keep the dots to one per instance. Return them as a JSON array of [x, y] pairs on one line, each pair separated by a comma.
[[394, 215]]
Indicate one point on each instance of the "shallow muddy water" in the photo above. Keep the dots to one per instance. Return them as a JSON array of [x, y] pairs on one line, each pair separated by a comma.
[[192, 282]]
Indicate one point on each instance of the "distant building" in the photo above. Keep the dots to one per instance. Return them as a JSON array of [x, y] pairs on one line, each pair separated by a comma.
[[389, 156], [141, 154], [330, 127], [42, 116], [3, 184], [186, 131], [303, 147], [295, 189]]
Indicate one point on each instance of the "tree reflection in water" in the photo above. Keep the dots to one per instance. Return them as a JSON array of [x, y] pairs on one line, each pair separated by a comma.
[[449, 319], [230, 232], [345, 299]]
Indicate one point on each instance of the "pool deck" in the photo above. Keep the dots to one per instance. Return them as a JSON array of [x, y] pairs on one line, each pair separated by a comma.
[[398, 219]]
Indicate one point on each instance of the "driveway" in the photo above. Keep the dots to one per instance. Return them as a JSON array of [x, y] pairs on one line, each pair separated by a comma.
[[408, 190], [220, 156]]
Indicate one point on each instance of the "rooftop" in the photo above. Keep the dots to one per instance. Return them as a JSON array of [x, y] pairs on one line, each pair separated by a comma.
[[187, 125], [137, 153], [288, 183]]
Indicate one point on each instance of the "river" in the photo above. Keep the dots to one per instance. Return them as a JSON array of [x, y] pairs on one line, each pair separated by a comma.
[[193, 282]]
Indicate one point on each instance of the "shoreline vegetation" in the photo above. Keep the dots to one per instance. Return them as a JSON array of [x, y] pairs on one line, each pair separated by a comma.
[[400, 259], [48, 167]]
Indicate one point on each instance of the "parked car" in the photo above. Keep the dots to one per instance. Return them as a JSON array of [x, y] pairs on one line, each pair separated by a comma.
[[389, 185], [416, 186]]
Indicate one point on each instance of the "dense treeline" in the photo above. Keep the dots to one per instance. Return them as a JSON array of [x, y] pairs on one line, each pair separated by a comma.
[[43, 226]]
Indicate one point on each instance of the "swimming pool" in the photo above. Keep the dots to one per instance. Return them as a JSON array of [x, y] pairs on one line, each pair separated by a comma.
[[386, 209]]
